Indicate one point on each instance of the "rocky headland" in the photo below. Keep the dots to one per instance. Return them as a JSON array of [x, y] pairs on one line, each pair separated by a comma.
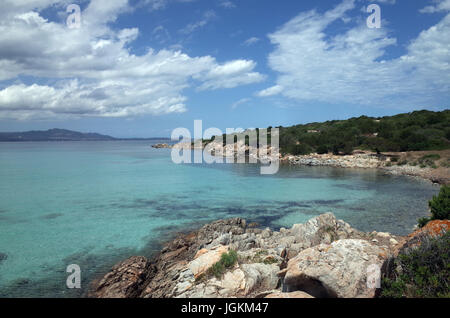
[[322, 258]]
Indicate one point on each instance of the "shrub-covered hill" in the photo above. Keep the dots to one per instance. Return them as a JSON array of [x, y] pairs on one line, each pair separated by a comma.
[[419, 130]]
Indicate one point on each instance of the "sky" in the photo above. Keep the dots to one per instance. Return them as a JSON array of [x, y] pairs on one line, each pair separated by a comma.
[[141, 68]]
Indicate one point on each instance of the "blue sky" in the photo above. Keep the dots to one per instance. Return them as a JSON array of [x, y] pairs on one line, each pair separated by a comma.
[[141, 68]]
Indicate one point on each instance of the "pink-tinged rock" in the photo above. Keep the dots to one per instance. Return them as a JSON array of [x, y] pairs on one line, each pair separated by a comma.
[[205, 259]]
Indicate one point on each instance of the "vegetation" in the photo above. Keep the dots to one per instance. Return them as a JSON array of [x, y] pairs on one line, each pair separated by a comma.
[[425, 271], [420, 130], [227, 261], [439, 206]]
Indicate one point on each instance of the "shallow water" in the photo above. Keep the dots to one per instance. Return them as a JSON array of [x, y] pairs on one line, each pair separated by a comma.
[[95, 203]]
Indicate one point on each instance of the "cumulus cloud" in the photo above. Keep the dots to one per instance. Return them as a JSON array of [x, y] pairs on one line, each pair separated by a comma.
[[350, 67], [90, 71]]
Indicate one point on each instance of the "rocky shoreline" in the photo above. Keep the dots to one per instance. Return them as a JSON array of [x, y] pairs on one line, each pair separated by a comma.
[[359, 160], [322, 258], [369, 161]]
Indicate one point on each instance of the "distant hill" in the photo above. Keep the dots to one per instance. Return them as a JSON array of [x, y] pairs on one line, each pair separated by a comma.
[[53, 135]]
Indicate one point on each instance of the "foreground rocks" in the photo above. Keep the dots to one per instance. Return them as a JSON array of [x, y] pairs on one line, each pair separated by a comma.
[[334, 270], [125, 280], [324, 257]]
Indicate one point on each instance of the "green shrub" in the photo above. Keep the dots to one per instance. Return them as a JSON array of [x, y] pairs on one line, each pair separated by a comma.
[[432, 157], [322, 149], [423, 272], [227, 260], [429, 160], [439, 206]]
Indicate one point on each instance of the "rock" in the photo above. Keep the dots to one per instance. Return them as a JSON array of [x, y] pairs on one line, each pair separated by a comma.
[[393, 241], [324, 257], [204, 259], [383, 235], [334, 270], [324, 228], [260, 276], [3, 257], [161, 146], [296, 294], [232, 283], [126, 279], [431, 229]]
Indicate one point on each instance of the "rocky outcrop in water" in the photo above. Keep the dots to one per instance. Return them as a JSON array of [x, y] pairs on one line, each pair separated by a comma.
[[162, 146], [324, 257]]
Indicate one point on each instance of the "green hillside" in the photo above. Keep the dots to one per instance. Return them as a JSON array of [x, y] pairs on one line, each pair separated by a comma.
[[420, 130]]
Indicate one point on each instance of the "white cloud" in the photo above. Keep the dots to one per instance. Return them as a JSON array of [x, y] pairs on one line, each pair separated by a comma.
[[231, 74], [154, 5], [439, 6], [251, 41], [227, 4], [271, 91], [92, 72], [240, 102], [191, 27], [350, 67]]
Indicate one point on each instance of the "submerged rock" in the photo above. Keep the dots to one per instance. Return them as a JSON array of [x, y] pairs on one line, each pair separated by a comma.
[[3, 257]]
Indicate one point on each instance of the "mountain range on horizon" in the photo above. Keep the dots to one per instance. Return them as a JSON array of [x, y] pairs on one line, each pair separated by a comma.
[[57, 134]]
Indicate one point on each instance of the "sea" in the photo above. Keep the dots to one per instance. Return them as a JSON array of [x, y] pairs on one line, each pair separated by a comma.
[[95, 203]]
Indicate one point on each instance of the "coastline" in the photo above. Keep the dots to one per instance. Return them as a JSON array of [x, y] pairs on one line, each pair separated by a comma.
[[388, 163], [324, 257], [371, 161]]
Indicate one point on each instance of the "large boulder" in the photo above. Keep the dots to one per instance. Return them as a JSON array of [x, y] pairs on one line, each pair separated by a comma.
[[339, 269], [324, 228], [126, 279]]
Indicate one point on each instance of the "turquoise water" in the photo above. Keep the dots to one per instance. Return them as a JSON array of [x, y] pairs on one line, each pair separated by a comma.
[[95, 203]]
